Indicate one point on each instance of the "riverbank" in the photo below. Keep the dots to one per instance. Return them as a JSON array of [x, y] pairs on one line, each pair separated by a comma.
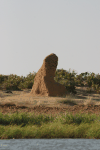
[[29, 125], [73, 116], [22, 101]]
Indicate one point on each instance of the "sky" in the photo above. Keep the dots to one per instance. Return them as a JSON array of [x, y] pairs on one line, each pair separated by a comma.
[[30, 30]]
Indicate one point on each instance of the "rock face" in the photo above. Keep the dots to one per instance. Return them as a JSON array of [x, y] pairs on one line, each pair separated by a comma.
[[44, 84]]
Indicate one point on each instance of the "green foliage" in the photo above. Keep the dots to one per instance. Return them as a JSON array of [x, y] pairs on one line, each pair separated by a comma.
[[3, 78], [23, 125], [14, 82], [78, 119], [24, 119], [69, 79], [28, 82]]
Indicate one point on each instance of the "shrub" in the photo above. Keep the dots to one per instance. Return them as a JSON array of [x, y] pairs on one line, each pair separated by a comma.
[[67, 79]]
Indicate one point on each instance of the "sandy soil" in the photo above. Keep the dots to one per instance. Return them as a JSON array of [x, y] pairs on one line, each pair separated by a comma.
[[23, 101]]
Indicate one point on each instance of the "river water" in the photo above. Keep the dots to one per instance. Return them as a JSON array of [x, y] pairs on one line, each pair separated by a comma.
[[50, 144]]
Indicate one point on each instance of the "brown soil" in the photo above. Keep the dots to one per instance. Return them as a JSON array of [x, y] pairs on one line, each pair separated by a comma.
[[23, 101]]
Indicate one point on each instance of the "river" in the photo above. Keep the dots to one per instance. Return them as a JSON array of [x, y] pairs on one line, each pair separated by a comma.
[[50, 144]]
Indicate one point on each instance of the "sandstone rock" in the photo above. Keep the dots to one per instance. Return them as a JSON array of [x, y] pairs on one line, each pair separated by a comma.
[[44, 84]]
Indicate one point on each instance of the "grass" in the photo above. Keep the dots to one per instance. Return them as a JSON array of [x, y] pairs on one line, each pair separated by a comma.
[[27, 125], [23, 125], [68, 101]]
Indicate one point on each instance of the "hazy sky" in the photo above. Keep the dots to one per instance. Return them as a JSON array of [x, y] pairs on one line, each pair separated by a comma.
[[32, 29]]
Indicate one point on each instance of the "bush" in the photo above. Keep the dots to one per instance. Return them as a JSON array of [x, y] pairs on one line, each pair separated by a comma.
[[67, 79], [28, 82], [12, 82]]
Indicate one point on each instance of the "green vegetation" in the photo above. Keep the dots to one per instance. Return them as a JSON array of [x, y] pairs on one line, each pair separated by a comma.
[[14, 82], [26, 125], [69, 79], [23, 125]]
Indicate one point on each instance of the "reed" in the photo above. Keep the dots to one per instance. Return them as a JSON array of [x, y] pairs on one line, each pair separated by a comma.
[[29, 125]]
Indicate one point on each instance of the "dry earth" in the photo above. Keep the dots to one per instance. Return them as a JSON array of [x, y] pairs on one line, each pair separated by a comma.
[[23, 101]]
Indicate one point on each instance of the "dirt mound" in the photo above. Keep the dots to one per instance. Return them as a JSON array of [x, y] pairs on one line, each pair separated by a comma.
[[44, 84]]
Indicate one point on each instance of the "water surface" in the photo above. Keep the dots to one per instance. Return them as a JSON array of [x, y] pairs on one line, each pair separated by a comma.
[[50, 144]]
